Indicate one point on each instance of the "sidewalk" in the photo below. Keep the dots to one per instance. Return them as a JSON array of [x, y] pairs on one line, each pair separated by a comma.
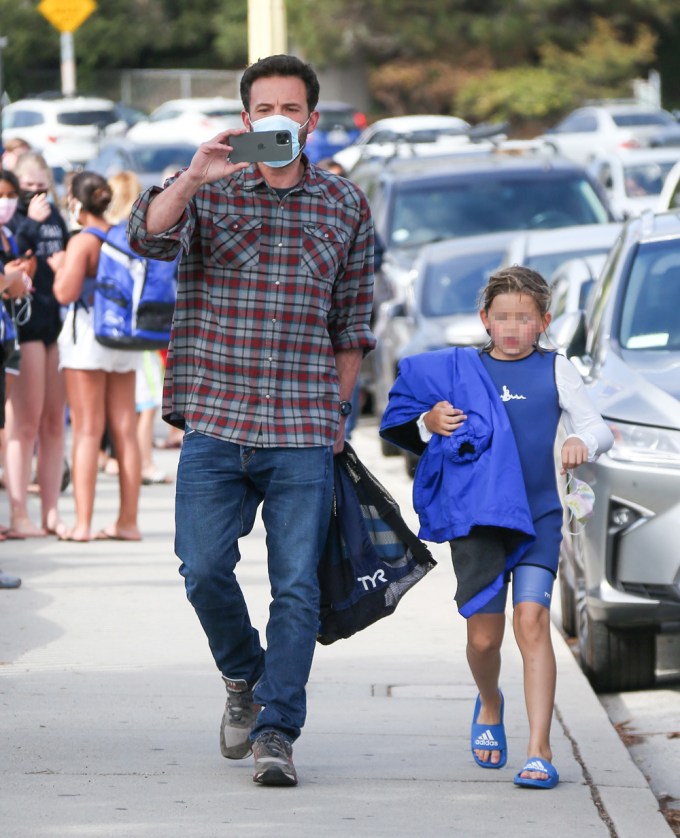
[[110, 707]]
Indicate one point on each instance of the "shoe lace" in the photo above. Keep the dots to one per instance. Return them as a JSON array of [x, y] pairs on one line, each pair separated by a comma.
[[274, 743], [238, 705]]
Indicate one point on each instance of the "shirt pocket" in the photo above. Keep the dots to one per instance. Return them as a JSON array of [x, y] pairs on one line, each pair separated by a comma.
[[324, 249], [235, 241]]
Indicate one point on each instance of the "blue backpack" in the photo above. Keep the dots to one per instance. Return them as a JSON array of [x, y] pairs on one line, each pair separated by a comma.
[[134, 297]]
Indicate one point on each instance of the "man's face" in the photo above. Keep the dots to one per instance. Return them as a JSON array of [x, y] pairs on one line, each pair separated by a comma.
[[285, 95]]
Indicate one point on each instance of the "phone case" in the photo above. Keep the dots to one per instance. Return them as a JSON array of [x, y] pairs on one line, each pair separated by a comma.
[[261, 146]]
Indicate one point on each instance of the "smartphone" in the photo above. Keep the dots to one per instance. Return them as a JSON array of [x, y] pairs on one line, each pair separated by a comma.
[[261, 146]]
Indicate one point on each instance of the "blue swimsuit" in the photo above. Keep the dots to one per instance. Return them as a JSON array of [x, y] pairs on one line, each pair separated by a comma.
[[529, 392]]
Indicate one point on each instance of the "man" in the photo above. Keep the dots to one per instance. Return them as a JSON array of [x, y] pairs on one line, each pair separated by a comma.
[[272, 320]]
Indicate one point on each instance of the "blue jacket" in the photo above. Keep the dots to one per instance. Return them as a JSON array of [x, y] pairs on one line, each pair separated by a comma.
[[472, 478]]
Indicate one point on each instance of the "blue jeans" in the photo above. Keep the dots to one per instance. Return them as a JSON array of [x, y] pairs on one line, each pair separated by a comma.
[[220, 486]]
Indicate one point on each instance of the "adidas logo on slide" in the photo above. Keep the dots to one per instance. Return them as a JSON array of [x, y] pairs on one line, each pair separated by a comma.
[[535, 765], [488, 741]]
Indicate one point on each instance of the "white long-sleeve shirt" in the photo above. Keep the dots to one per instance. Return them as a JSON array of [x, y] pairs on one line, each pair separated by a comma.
[[580, 417]]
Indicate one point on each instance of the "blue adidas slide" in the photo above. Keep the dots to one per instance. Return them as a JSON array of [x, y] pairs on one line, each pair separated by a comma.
[[542, 765], [488, 738]]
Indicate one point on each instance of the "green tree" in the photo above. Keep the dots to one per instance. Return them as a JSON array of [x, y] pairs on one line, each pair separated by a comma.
[[473, 49], [494, 57], [600, 67]]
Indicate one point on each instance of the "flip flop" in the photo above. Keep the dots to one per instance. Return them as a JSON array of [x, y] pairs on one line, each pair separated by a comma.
[[488, 737], [103, 535], [542, 765], [68, 537]]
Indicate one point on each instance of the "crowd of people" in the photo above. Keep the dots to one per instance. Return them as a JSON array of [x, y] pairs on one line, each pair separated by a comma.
[[55, 376]]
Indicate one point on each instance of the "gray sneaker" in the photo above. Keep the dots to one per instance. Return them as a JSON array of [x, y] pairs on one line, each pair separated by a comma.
[[238, 720], [273, 760]]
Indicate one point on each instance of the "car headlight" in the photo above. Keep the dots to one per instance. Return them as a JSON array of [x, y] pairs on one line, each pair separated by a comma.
[[645, 445]]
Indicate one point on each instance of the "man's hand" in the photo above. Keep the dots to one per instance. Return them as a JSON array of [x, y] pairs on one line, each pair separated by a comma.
[[339, 443], [211, 160], [209, 163], [444, 419], [574, 453]]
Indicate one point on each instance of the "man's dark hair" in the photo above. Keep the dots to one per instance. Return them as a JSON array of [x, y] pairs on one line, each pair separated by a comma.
[[280, 65]]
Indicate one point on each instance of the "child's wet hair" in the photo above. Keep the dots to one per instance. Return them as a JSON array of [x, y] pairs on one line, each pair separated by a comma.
[[517, 279]]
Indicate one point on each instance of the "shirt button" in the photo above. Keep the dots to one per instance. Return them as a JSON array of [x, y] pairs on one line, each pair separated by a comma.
[[280, 244], [267, 396], [277, 282], [273, 319]]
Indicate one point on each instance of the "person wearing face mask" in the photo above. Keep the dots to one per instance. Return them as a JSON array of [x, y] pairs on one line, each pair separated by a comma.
[[37, 397], [15, 283], [275, 290]]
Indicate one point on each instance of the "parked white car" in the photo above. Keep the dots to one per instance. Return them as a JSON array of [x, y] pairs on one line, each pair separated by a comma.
[[602, 129], [669, 197], [188, 120], [73, 127], [420, 134], [633, 180]]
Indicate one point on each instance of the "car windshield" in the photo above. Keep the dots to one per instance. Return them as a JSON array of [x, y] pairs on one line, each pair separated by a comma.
[[646, 178], [425, 213], [631, 119], [547, 263], [452, 287], [98, 117], [157, 159], [650, 315]]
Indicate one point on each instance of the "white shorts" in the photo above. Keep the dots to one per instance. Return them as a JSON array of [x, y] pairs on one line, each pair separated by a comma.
[[86, 353]]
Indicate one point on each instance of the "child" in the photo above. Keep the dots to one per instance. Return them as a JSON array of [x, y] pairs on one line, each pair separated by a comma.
[[36, 402], [487, 483]]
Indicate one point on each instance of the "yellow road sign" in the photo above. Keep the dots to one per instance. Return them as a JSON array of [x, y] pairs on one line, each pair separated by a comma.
[[66, 15]]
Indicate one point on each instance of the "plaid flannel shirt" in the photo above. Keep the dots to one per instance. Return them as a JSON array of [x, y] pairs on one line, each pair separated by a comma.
[[269, 290]]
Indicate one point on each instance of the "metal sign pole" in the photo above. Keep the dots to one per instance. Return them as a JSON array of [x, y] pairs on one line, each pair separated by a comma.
[[68, 65]]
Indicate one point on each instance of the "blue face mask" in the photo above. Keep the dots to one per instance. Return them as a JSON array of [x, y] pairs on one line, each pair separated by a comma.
[[278, 122]]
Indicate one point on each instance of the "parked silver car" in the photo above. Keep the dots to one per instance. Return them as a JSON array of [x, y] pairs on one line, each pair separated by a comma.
[[620, 575], [438, 309], [546, 250]]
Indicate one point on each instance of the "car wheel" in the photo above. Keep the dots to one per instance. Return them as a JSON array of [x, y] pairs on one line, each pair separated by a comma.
[[616, 659], [389, 450], [568, 605]]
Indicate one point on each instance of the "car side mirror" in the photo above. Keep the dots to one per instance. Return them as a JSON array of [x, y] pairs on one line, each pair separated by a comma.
[[568, 333], [576, 346]]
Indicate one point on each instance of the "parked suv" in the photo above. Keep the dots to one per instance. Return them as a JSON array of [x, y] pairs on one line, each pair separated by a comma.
[[70, 127], [424, 200], [620, 574], [420, 201]]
